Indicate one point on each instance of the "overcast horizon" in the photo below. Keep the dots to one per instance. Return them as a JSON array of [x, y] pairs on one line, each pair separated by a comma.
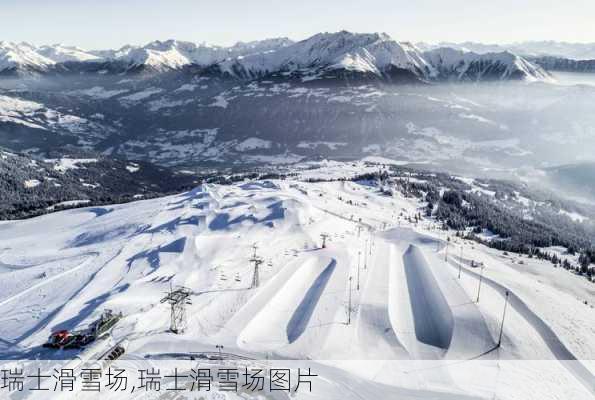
[[112, 24]]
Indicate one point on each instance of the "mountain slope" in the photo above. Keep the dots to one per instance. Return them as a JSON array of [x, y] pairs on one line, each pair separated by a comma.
[[32, 185], [550, 63], [573, 51], [59, 53], [158, 56], [379, 55], [22, 56], [463, 65], [375, 54]]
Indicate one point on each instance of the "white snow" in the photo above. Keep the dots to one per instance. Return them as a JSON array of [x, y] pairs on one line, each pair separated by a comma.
[[174, 54], [31, 183], [13, 55], [141, 95], [313, 145], [477, 118], [100, 92], [158, 104], [253, 143], [9, 106], [132, 167], [449, 61], [220, 101], [64, 164], [61, 53], [71, 203], [574, 216], [187, 87]]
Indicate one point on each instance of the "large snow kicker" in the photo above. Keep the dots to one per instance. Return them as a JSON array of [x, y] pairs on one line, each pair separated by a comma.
[[300, 318], [285, 317], [432, 315]]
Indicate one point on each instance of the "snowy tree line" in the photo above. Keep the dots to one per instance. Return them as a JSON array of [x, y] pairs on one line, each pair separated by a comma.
[[520, 228]]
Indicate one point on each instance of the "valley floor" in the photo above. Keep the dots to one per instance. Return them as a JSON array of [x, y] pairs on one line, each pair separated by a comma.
[[386, 310]]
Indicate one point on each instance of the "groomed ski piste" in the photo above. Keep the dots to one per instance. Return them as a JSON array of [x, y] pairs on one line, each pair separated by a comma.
[[388, 309]]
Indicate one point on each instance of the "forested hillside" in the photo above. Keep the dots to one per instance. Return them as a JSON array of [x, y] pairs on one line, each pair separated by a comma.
[[31, 186], [506, 215]]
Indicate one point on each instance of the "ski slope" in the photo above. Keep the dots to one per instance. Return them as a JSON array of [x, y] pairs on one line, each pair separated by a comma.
[[380, 311]]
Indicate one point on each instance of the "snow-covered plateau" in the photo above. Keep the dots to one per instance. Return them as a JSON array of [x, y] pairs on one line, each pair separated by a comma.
[[389, 308]]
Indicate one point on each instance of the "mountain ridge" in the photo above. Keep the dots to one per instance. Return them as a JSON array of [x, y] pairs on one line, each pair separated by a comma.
[[346, 53], [543, 48]]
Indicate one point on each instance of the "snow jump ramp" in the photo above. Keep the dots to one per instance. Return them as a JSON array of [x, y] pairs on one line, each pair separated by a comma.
[[431, 313], [285, 317], [433, 321]]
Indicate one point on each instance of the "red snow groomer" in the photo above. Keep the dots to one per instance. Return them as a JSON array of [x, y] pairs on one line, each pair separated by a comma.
[[59, 339], [65, 339], [68, 340]]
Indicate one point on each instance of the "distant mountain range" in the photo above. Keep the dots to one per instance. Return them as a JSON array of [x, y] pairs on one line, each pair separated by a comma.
[[157, 56], [549, 55], [552, 63], [340, 54], [334, 95], [573, 51]]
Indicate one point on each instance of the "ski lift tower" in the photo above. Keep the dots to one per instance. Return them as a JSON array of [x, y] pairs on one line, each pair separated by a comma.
[[324, 236], [177, 299], [257, 261], [255, 280]]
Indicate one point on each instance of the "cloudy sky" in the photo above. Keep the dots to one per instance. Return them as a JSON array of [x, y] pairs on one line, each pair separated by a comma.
[[112, 23]]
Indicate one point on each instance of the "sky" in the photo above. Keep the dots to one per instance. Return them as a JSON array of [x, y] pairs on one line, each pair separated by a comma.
[[95, 24]]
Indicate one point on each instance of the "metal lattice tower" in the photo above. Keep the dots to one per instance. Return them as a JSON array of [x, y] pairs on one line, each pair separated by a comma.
[[324, 236], [257, 261], [177, 300], [255, 280]]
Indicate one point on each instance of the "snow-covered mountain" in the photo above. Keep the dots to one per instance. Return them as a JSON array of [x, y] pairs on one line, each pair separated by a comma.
[[156, 55], [22, 56], [328, 55], [376, 54], [573, 51], [465, 65], [59, 53], [173, 54], [278, 101]]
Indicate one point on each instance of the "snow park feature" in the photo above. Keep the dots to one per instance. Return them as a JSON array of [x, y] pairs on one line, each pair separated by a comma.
[[235, 276]]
